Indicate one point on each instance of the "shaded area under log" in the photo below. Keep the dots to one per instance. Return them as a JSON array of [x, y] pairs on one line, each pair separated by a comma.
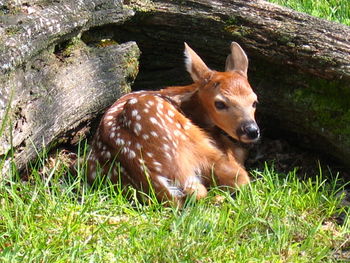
[[299, 65]]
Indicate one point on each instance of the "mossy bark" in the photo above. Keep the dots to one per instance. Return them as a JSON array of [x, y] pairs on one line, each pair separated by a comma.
[[52, 84], [299, 65]]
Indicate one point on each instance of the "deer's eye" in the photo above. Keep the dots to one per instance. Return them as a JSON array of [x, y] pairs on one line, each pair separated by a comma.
[[254, 104], [220, 105]]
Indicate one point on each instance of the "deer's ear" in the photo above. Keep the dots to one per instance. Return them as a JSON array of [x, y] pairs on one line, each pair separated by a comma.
[[195, 65], [237, 60]]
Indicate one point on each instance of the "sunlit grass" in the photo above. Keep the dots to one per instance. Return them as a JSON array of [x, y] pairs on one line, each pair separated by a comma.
[[334, 10], [57, 217]]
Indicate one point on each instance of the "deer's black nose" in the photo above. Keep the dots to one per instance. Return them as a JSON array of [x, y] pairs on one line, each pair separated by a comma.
[[248, 131], [251, 129]]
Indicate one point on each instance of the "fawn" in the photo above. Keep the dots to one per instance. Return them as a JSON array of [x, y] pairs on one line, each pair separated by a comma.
[[180, 140]]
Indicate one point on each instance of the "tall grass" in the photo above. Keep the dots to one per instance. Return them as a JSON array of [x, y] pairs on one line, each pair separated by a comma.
[[57, 217], [334, 10]]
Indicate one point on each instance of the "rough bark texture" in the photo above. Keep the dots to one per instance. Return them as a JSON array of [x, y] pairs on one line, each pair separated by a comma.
[[299, 65], [52, 84]]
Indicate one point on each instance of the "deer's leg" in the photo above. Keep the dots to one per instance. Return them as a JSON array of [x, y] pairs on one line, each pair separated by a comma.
[[167, 189], [177, 191], [230, 173], [194, 186]]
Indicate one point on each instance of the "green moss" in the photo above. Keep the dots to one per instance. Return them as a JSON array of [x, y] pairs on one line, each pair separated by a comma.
[[234, 26], [71, 46], [12, 30], [329, 104], [141, 5], [286, 39], [9, 9], [305, 104], [106, 43], [238, 31], [233, 20], [132, 67], [125, 88]]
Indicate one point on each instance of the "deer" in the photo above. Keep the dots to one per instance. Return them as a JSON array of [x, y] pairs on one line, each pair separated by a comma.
[[181, 140]]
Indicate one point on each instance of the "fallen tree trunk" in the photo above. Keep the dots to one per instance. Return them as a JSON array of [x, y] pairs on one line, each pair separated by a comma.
[[299, 65], [52, 84]]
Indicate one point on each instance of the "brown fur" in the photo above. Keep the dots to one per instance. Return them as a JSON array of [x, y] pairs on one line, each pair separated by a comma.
[[173, 139]]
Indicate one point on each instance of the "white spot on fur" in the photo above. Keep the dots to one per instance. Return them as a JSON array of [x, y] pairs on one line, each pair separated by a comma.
[[137, 128], [138, 146], [166, 147], [154, 134], [125, 150], [145, 136], [153, 120], [171, 113], [160, 111], [177, 133], [174, 144], [120, 142], [187, 126], [146, 110], [133, 101], [149, 103], [168, 155], [150, 155], [131, 154], [157, 163], [114, 109], [134, 113], [112, 135], [169, 119]]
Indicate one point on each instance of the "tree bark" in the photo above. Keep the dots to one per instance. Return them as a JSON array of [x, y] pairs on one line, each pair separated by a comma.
[[299, 64], [53, 85]]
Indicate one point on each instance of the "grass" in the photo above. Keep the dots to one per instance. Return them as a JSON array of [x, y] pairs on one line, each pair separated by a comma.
[[57, 217], [334, 10]]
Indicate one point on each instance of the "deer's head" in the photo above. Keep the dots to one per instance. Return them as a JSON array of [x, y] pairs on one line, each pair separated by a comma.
[[227, 97]]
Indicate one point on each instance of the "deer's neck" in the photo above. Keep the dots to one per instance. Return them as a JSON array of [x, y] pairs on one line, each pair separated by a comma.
[[188, 100]]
